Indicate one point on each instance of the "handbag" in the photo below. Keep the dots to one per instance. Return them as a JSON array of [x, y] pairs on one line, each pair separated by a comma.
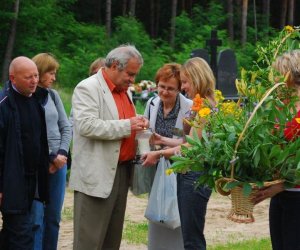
[[142, 179], [162, 206]]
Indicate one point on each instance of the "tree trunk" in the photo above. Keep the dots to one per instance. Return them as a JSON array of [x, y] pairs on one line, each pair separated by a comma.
[[152, 18], [230, 19], [124, 7], [255, 20], [157, 18], [10, 43], [98, 12], [291, 12], [244, 22], [283, 13], [183, 8], [108, 18], [132, 8], [173, 23], [266, 12]]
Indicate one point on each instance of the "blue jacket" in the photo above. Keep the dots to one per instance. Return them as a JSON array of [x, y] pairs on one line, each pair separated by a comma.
[[13, 182]]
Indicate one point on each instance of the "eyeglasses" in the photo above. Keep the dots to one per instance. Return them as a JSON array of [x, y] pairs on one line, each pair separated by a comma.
[[167, 89]]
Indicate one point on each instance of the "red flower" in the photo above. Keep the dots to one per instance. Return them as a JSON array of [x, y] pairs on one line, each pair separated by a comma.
[[292, 128]]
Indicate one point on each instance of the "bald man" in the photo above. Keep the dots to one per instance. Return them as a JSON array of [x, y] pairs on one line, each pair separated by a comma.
[[24, 153]]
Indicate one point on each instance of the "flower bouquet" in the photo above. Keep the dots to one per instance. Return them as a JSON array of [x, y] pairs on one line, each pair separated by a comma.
[[144, 89], [248, 144]]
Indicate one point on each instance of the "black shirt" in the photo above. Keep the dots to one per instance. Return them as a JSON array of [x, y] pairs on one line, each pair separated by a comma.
[[31, 126]]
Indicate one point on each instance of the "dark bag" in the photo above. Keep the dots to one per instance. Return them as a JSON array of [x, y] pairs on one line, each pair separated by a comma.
[[69, 161]]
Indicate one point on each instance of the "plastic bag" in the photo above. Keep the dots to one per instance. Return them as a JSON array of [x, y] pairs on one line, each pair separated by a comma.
[[142, 179], [162, 206]]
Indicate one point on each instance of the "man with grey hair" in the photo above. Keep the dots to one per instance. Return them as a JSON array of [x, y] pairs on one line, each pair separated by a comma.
[[104, 129]]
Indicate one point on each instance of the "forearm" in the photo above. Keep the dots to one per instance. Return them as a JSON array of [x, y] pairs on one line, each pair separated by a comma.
[[169, 152], [171, 142]]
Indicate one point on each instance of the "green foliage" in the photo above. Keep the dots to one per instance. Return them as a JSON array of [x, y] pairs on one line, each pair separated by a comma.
[[129, 30], [246, 141], [140, 107], [192, 32], [50, 26], [66, 97], [85, 44]]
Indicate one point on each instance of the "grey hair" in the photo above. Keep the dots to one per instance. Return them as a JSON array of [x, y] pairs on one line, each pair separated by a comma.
[[122, 55], [289, 62]]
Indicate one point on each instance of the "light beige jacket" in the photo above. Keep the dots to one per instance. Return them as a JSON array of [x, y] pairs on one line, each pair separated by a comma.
[[97, 135]]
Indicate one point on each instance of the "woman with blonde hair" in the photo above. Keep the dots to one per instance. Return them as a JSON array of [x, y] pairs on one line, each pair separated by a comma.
[[96, 65], [47, 217], [196, 78]]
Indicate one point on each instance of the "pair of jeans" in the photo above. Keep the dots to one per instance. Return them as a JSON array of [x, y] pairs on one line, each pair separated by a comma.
[[192, 204], [17, 228], [46, 218], [17, 231], [284, 216]]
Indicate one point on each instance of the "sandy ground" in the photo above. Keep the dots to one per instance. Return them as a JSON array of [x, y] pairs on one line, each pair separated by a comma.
[[218, 229]]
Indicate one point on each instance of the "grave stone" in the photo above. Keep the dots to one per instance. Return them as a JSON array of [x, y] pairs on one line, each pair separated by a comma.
[[227, 73], [201, 53]]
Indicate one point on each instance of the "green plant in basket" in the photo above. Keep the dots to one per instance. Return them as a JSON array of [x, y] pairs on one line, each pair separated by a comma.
[[246, 141]]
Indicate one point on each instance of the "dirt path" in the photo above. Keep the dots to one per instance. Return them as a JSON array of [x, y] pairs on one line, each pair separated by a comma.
[[217, 230]]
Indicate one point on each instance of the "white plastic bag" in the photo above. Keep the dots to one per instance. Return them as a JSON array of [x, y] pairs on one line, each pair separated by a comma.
[[162, 206]]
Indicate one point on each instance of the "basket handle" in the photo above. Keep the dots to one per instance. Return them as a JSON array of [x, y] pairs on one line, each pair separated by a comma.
[[248, 122]]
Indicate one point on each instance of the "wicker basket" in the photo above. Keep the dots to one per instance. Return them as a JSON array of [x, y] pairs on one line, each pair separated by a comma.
[[241, 205]]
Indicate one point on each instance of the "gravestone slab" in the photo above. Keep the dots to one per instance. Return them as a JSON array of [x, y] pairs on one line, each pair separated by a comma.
[[200, 53], [227, 73]]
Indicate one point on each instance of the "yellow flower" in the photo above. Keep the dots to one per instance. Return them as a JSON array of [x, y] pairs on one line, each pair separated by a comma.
[[204, 112], [169, 171], [297, 120], [230, 108], [218, 95], [289, 28]]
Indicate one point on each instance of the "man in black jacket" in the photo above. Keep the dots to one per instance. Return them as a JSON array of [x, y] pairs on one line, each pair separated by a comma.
[[24, 154]]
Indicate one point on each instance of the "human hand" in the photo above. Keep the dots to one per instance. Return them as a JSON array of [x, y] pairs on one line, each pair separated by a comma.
[[267, 192], [60, 161], [139, 123], [52, 168], [150, 158], [156, 139]]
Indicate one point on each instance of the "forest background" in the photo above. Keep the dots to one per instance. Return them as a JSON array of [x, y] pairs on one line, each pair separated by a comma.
[[79, 31]]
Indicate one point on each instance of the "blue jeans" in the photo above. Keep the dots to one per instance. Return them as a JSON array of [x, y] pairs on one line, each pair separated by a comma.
[[192, 204], [285, 221], [47, 218]]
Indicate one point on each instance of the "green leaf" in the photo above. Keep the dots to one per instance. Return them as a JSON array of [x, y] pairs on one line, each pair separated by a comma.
[[247, 189], [231, 185], [256, 157], [191, 141], [204, 136], [275, 151]]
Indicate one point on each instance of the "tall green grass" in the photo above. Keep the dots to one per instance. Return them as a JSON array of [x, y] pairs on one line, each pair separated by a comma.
[[262, 244], [66, 97]]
